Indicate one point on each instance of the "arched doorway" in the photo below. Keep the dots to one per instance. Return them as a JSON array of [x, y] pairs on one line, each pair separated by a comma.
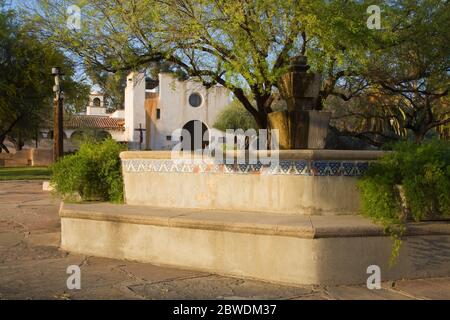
[[102, 135], [50, 135], [195, 135], [77, 136]]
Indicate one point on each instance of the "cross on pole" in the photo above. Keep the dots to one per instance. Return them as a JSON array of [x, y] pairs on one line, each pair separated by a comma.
[[141, 135], [58, 134]]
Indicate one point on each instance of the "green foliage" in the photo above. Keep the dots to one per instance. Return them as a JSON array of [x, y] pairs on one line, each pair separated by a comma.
[[94, 172], [89, 135], [242, 45], [25, 83], [422, 171], [245, 46], [112, 84], [404, 87], [24, 173], [235, 116]]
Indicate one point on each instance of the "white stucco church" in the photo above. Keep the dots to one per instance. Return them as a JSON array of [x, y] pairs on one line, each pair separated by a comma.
[[153, 110]]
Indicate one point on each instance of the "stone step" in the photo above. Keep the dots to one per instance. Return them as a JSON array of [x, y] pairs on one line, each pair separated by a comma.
[[282, 248], [300, 226]]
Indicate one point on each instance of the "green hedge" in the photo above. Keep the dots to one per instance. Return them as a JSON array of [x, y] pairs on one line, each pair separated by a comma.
[[93, 173], [422, 171]]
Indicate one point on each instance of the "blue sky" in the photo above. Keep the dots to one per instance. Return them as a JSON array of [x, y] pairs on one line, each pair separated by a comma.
[[17, 3], [14, 3]]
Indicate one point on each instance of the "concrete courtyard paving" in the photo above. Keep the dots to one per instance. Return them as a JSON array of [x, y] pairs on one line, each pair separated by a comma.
[[33, 267]]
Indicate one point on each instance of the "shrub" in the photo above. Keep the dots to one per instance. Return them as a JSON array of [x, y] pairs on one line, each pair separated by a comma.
[[235, 116], [93, 173], [411, 182]]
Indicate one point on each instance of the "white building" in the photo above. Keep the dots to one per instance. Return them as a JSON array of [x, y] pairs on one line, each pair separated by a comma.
[[96, 120], [153, 113], [153, 110]]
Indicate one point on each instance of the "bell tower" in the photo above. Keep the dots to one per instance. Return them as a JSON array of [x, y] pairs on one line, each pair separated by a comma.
[[96, 106]]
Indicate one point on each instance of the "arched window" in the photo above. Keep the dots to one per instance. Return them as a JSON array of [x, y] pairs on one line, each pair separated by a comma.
[[96, 102]]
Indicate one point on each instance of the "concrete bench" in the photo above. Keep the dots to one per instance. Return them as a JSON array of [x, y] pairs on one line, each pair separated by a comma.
[[294, 249]]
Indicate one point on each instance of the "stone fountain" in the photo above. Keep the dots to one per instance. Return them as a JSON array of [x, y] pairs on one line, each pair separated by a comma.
[[301, 126]]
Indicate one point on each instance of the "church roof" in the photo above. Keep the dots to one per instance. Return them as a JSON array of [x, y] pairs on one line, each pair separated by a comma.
[[97, 122]]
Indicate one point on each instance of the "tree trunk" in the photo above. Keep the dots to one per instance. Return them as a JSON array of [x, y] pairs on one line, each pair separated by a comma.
[[419, 136], [263, 104], [262, 121], [5, 133], [2, 145], [259, 114], [20, 144]]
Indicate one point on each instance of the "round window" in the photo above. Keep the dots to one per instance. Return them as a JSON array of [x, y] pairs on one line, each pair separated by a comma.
[[195, 100]]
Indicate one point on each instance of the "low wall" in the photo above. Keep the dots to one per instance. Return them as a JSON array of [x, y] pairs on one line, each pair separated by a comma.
[[27, 157], [41, 157], [301, 182], [19, 159]]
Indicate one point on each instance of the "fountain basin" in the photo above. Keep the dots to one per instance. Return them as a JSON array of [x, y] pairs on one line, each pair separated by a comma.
[[302, 181]]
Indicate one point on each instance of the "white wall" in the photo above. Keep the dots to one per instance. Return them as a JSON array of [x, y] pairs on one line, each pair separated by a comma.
[[134, 107], [118, 114], [176, 110], [117, 135], [95, 111]]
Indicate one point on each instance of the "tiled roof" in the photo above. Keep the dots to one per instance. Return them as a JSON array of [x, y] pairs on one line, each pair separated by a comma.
[[89, 121]]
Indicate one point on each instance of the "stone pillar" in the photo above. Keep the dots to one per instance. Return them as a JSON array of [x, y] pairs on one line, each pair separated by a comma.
[[300, 126]]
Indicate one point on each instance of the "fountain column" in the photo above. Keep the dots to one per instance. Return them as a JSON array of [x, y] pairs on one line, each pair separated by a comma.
[[300, 126]]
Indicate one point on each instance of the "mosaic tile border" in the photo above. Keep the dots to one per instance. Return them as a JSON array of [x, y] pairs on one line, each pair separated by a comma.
[[283, 167]]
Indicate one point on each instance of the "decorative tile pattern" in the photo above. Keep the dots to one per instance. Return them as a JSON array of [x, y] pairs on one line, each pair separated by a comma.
[[332, 168], [283, 167]]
